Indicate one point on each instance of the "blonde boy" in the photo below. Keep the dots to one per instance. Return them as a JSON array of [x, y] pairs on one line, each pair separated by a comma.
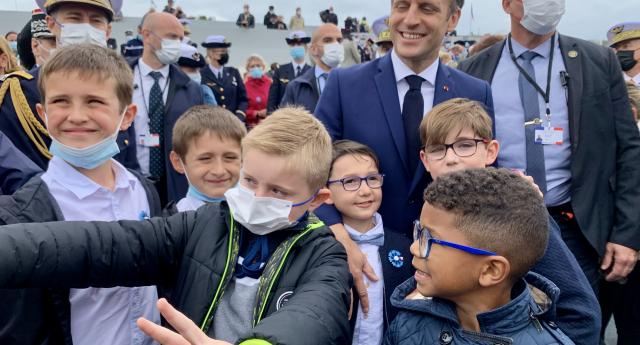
[[254, 269], [206, 149]]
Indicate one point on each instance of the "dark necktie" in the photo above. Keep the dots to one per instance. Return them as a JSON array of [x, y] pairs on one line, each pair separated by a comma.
[[156, 126], [531, 107], [298, 70], [321, 86], [412, 113]]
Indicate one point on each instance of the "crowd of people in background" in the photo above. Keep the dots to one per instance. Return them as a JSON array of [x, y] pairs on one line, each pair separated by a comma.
[[379, 187]]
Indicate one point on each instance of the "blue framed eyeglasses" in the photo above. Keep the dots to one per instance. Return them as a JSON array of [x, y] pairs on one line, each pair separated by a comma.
[[423, 236]]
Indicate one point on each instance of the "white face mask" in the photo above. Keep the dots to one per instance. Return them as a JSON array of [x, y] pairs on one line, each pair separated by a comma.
[[73, 33], [260, 215], [333, 54], [170, 51], [195, 77], [542, 16]]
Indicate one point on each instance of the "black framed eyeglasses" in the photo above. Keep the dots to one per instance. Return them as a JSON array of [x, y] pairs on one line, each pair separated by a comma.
[[423, 236], [462, 148], [353, 183]]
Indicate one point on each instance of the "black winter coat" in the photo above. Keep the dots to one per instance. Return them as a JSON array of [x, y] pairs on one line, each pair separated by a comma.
[[193, 253]]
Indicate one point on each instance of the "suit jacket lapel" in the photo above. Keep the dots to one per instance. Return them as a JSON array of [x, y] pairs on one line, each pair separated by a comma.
[[388, 95], [572, 56]]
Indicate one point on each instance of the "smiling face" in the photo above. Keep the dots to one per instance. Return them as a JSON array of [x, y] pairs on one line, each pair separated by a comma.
[[448, 272], [418, 28], [357, 207], [212, 164], [486, 154], [271, 176], [84, 112]]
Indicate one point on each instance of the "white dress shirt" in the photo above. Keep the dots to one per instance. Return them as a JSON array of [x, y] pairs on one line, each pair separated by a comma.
[[143, 82], [189, 203], [217, 71], [636, 79], [428, 89], [103, 316]]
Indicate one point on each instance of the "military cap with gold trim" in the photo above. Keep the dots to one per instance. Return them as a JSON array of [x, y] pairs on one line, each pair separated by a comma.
[[298, 37], [623, 32], [110, 7], [190, 57]]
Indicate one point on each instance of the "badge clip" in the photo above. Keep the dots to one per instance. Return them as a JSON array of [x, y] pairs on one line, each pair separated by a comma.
[[534, 122]]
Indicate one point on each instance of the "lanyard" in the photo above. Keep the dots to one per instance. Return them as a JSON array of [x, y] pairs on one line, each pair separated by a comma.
[[545, 94], [146, 107]]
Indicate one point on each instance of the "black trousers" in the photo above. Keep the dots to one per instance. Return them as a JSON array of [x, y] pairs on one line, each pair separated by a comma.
[[161, 187], [623, 302]]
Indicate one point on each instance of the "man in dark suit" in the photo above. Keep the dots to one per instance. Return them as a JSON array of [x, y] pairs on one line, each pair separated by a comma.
[[297, 42], [590, 170], [327, 53], [225, 82], [162, 93], [18, 119]]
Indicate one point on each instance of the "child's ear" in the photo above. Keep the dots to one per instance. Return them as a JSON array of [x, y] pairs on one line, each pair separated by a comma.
[[495, 270], [493, 148], [41, 113], [175, 162], [329, 200], [129, 116], [423, 159], [322, 195]]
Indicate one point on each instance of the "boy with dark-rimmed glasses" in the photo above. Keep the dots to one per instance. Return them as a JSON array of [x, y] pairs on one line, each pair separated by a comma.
[[355, 183]]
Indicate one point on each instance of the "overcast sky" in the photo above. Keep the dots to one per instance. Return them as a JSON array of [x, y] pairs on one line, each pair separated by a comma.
[[588, 19]]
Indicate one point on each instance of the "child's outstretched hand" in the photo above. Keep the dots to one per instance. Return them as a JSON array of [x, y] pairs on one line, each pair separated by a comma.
[[188, 332]]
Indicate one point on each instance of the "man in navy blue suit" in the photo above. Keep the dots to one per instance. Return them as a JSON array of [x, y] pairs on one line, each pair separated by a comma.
[[381, 104]]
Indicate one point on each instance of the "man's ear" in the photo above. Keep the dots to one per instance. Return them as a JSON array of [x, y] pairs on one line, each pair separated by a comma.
[[494, 271], [493, 148], [129, 116], [109, 28], [454, 19], [175, 162], [322, 195], [41, 112]]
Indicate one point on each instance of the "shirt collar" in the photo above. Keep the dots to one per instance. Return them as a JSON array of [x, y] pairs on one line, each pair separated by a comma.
[[319, 71], [145, 69], [216, 71], [79, 184], [402, 71], [543, 49], [377, 230], [296, 65], [635, 80]]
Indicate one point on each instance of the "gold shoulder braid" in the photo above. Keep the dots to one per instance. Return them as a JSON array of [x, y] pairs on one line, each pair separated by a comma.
[[30, 124]]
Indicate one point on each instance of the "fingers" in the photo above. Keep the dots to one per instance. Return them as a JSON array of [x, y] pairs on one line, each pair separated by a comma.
[[369, 272], [160, 334], [187, 329], [608, 258], [361, 289], [624, 260]]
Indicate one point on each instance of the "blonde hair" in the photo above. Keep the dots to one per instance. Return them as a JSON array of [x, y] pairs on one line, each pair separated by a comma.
[[12, 66], [90, 60], [255, 57], [294, 133], [201, 119], [455, 114]]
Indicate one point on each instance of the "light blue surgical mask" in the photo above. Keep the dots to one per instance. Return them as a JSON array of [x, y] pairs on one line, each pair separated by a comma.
[[194, 192], [256, 72], [195, 77], [297, 52], [14, 46], [88, 157]]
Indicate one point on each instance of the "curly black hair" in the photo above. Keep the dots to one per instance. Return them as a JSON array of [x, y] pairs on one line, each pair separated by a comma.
[[496, 210]]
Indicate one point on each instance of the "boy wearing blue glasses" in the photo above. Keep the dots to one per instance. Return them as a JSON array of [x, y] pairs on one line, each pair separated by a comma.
[[471, 250], [355, 183], [458, 135]]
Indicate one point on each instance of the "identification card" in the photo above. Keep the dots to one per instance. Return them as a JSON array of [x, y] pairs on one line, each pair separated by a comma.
[[549, 136], [149, 140]]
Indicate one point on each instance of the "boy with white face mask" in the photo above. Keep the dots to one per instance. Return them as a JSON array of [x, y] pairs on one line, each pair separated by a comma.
[[327, 53], [83, 182], [256, 269]]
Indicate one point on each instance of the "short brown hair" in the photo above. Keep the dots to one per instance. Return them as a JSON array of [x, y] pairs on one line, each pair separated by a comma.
[[496, 210], [294, 133], [453, 5], [201, 119], [90, 60], [457, 113], [343, 148]]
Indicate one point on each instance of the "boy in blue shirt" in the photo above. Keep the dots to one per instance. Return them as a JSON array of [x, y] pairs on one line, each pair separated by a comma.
[[206, 149], [355, 183]]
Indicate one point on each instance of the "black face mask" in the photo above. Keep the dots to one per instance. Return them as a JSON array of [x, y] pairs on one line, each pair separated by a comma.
[[627, 62], [224, 58]]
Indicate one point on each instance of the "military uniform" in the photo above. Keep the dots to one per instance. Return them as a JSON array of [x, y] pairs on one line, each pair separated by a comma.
[[286, 73], [228, 88]]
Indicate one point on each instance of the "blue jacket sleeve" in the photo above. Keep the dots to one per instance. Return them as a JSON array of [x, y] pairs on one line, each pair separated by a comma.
[[15, 167], [578, 311], [328, 214]]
